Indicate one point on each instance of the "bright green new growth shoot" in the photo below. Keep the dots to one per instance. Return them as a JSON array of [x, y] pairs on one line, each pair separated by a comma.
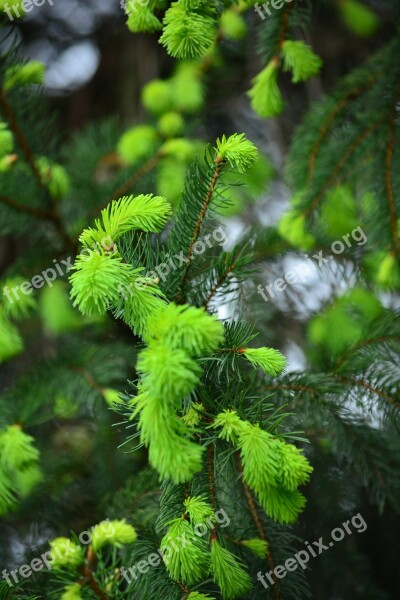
[[229, 573], [187, 559], [273, 468], [266, 98], [180, 342], [299, 58]]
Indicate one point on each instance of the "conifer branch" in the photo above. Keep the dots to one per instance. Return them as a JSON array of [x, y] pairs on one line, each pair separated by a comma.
[[89, 378], [339, 166], [326, 125], [294, 387], [30, 159], [41, 213], [30, 210], [284, 25], [369, 387], [219, 283], [388, 177], [260, 527], [87, 573], [362, 344], [128, 185], [217, 172], [20, 136]]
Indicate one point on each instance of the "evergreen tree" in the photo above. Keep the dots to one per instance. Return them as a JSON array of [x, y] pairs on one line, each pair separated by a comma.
[[142, 386]]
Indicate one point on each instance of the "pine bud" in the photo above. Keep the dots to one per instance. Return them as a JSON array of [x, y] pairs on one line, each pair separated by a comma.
[[117, 533], [171, 125], [299, 58], [138, 143], [238, 151], [157, 96], [257, 546], [270, 360], [65, 554], [72, 592], [266, 98]]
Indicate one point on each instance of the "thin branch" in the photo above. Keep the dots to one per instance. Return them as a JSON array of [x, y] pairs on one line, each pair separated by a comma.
[[326, 125], [369, 387], [294, 387], [218, 168], [40, 213], [339, 166], [218, 284], [284, 26], [137, 176], [362, 344], [20, 137], [89, 378], [87, 573]]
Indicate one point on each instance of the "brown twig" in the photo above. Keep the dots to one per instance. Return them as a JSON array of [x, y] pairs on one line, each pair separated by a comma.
[[324, 128], [284, 26], [218, 284], [218, 168], [369, 387], [87, 573], [123, 189], [41, 213]]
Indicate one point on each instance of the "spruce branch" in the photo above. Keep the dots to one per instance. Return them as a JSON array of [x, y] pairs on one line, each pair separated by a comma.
[[375, 340], [40, 213], [219, 162], [329, 120], [221, 280], [89, 378], [339, 166], [370, 388]]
